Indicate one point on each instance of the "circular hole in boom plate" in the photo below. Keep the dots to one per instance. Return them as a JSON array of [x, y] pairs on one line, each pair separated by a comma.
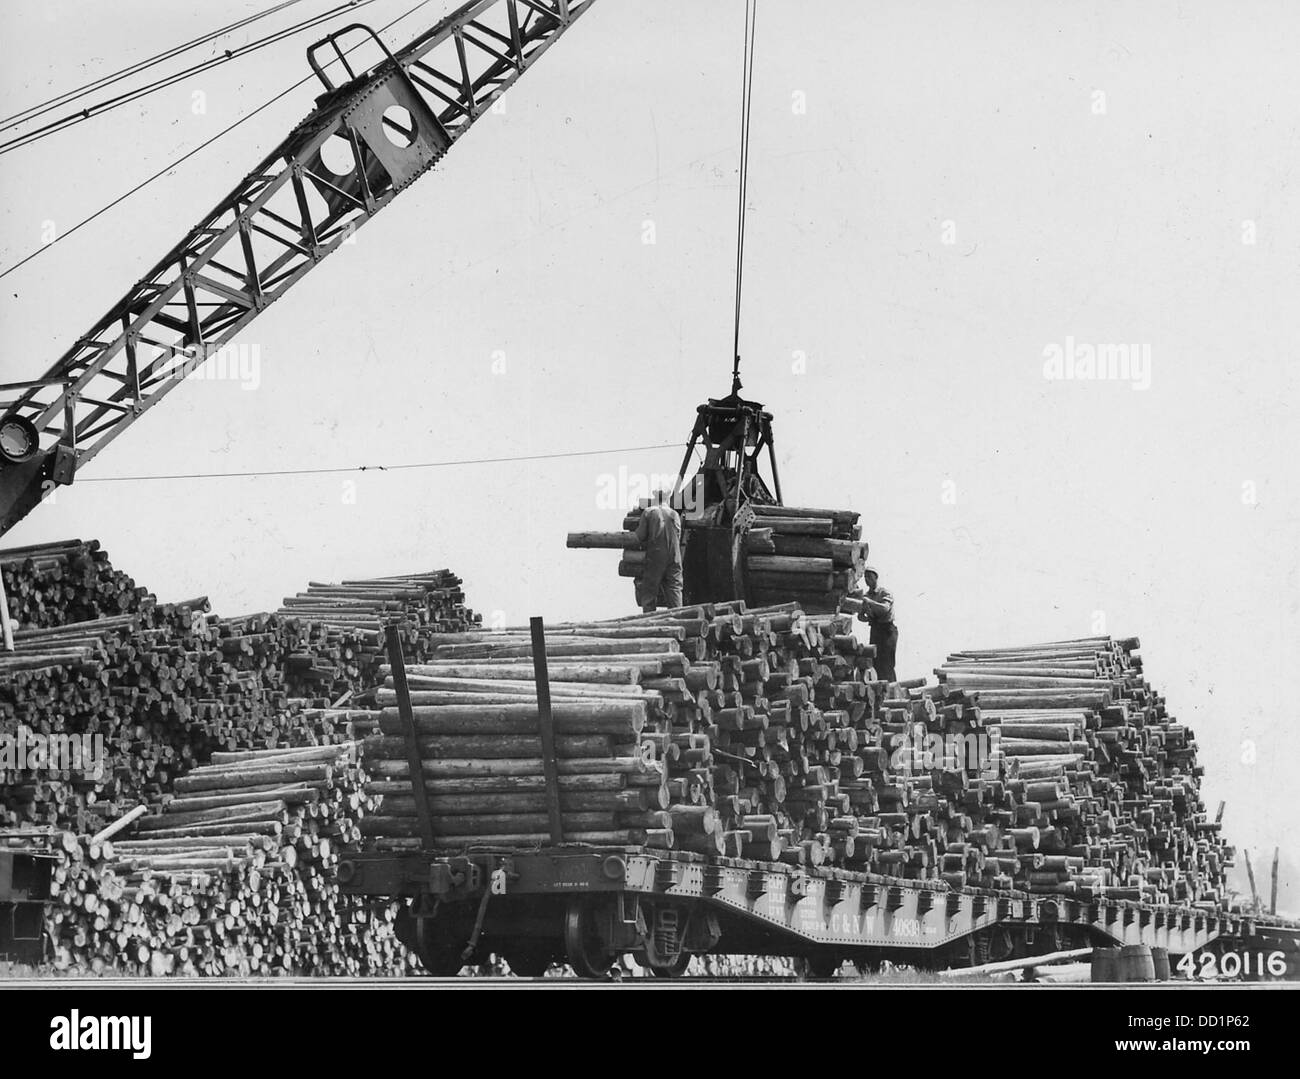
[[399, 126], [336, 155]]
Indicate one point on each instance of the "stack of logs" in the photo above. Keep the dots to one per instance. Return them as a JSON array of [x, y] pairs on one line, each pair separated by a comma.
[[233, 876], [344, 647], [136, 687], [1099, 768], [720, 729], [52, 584], [814, 557], [162, 686], [764, 734], [215, 719]]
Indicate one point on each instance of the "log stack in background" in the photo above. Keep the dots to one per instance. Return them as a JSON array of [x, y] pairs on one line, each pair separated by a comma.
[[1099, 768], [167, 684], [169, 688], [52, 584], [232, 877], [337, 641], [814, 557]]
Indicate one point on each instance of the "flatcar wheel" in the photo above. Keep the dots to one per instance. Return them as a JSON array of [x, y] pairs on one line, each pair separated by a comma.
[[437, 958], [674, 969], [583, 948], [529, 962], [819, 965], [961, 954]]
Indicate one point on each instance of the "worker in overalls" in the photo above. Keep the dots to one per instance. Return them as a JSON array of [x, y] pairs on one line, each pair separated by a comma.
[[660, 533], [878, 612]]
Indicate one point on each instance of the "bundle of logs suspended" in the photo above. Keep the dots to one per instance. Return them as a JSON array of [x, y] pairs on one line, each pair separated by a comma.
[[812, 556]]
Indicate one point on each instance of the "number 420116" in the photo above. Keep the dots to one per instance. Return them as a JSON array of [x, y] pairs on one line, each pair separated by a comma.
[[1232, 965]]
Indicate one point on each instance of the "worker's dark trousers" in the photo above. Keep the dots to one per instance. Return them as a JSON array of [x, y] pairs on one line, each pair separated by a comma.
[[885, 638], [655, 590]]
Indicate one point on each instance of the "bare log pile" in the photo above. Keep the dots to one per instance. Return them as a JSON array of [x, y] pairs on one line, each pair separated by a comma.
[[812, 556], [143, 697], [232, 877], [161, 687], [52, 584], [332, 633], [1099, 770], [122, 693], [764, 734]]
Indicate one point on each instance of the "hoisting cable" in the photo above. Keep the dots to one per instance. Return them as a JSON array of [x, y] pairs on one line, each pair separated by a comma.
[[746, 102]]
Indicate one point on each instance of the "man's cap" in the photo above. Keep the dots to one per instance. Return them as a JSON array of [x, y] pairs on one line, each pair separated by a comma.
[[870, 569]]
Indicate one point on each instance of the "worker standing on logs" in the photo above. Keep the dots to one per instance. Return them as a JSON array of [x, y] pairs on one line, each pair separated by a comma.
[[660, 533], [878, 612]]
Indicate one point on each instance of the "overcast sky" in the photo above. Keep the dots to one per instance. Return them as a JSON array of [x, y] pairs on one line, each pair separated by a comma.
[[943, 197]]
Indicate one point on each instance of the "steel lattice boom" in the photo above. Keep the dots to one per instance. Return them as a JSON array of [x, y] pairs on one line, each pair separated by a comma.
[[386, 125]]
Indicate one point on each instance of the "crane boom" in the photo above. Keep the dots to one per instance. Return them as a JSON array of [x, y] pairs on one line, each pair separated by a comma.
[[380, 130]]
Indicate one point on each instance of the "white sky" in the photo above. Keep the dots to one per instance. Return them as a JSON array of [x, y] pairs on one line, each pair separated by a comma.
[[924, 360]]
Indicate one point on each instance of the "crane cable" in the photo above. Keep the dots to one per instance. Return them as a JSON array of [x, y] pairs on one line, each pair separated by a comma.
[[746, 103], [42, 107], [190, 153], [73, 118]]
